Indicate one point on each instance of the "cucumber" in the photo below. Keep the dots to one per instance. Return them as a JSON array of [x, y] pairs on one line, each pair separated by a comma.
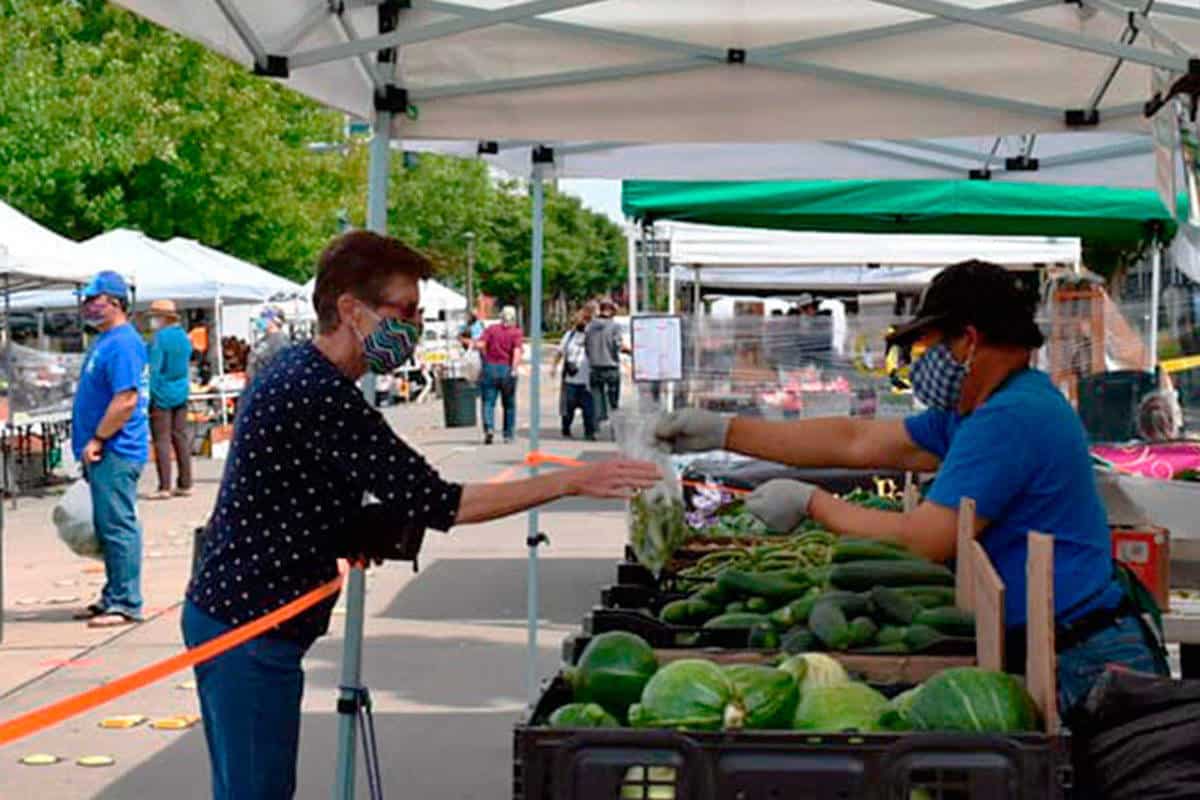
[[828, 623], [779, 586], [930, 596], [893, 605], [689, 611], [852, 604], [862, 632], [796, 612], [891, 634], [948, 620], [764, 637], [713, 595], [741, 620], [923, 637], [760, 605], [861, 576], [799, 640], [736, 607], [867, 550], [876, 542]]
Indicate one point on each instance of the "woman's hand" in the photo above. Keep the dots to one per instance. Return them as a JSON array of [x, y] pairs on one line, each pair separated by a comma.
[[618, 477]]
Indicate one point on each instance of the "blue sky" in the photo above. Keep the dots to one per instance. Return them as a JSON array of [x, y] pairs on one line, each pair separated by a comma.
[[598, 194]]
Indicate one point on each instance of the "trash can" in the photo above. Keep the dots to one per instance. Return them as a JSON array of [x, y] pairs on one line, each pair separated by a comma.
[[458, 402]]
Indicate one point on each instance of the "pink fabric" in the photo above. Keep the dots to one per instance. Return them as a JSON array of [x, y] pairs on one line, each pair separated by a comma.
[[1163, 461], [500, 342]]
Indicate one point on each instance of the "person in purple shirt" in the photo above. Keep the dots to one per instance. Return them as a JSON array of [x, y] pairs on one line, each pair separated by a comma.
[[501, 347]]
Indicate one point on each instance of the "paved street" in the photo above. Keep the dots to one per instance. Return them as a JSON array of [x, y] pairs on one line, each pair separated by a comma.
[[444, 656]]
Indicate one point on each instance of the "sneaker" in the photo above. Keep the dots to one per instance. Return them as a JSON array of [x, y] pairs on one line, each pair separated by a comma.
[[89, 612], [487, 438], [590, 437], [182, 493], [112, 619]]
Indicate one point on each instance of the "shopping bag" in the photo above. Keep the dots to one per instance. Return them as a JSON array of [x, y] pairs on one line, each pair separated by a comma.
[[472, 365], [72, 516]]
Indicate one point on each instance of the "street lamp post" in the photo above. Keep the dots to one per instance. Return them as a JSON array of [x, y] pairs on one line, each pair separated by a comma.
[[470, 270]]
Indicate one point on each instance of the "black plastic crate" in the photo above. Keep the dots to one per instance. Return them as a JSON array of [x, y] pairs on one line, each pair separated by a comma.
[[626, 596], [623, 764]]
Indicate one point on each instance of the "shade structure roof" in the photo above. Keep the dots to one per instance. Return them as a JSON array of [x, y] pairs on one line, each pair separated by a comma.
[[707, 70], [233, 270], [32, 256], [1095, 214]]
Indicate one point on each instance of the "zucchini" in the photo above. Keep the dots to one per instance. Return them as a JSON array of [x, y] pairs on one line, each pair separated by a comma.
[[764, 637], [862, 632], [828, 623], [893, 605], [741, 620], [891, 634], [861, 576], [931, 596], [948, 620], [779, 586], [799, 640], [867, 550]]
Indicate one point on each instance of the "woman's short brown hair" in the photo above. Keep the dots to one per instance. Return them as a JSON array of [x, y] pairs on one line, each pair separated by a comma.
[[361, 263]]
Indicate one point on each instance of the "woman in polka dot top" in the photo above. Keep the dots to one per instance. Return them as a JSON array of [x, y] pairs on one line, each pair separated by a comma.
[[306, 449]]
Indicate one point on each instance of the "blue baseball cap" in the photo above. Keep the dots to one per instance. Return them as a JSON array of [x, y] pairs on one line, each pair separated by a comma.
[[106, 282]]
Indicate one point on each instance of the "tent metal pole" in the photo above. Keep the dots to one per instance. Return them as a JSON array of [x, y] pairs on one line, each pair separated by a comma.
[[698, 323], [631, 243], [351, 693], [219, 327], [1155, 292], [671, 309], [534, 538]]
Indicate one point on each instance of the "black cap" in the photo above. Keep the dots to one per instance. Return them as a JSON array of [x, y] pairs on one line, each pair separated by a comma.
[[977, 293]]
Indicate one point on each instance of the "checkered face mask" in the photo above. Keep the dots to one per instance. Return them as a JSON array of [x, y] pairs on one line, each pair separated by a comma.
[[937, 379]]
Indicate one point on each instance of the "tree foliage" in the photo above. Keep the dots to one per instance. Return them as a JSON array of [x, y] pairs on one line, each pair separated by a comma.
[[108, 121]]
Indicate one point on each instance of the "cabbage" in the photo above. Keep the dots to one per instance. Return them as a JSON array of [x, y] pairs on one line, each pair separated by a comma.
[[690, 694], [582, 715], [768, 696], [973, 700], [897, 717], [812, 670], [848, 706]]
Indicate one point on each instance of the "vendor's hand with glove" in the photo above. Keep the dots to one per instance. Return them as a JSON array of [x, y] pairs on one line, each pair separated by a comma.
[[781, 504], [692, 430]]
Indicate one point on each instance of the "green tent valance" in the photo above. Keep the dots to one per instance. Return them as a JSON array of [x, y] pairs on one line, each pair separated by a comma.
[[1100, 216]]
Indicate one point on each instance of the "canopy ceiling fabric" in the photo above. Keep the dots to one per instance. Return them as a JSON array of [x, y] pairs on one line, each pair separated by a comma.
[[1078, 158], [704, 70], [33, 257], [831, 279], [157, 273], [1098, 215], [706, 247], [232, 270]]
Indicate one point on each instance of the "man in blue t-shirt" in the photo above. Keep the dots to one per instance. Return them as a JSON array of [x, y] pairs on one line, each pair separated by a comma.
[[110, 438], [996, 431]]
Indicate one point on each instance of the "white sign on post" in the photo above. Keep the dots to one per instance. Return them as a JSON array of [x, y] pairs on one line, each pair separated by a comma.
[[1164, 130], [657, 347]]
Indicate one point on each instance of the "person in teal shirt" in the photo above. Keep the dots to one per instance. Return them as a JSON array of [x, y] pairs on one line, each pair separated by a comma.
[[170, 384]]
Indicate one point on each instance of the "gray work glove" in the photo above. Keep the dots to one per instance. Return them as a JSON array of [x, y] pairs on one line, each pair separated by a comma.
[[781, 504], [692, 430]]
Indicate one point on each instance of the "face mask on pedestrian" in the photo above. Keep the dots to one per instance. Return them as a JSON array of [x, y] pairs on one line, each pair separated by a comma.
[[156, 323], [94, 312], [937, 378], [390, 345]]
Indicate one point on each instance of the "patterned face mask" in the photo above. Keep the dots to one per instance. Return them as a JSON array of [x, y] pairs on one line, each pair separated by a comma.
[[390, 345], [937, 379]]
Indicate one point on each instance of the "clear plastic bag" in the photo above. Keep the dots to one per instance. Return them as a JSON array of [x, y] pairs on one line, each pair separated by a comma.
[[656, 516], [72, 516]]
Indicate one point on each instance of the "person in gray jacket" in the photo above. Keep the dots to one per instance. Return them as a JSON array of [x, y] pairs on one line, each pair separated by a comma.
[[603, 343]]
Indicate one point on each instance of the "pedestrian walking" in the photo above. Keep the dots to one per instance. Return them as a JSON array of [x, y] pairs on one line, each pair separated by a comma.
[[501, 346], [170, 385], [271, 342], [603, 342], [110, 433], [576, 392]]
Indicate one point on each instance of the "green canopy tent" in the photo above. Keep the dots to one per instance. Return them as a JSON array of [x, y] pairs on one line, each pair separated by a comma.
[[1112, 218]]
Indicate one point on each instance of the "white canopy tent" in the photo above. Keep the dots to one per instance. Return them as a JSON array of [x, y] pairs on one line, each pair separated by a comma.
[[33, 257], [436, 297], [717, 71], [232, 270]]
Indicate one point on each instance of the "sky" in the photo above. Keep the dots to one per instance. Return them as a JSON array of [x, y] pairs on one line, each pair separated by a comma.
[[599, 194]]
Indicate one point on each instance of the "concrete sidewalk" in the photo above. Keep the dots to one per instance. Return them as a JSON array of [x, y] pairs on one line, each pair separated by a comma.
[[444, 656]]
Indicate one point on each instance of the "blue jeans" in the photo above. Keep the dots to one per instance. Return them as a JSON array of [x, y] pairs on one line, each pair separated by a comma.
[[113, 482], [250, 704], [606, 390], [499, 381], [578, 396], [1123, 644]]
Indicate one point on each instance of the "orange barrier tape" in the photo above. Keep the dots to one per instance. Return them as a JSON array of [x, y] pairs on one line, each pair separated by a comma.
[[536, 458], [34, 721]]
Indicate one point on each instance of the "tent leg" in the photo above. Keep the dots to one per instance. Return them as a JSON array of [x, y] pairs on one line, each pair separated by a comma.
[[535, 538], [219, 327], [671, 309], [352, 695], [1155, 292], [631, 240]]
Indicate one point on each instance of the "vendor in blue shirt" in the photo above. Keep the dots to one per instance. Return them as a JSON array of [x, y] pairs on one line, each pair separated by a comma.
[[997, 431]]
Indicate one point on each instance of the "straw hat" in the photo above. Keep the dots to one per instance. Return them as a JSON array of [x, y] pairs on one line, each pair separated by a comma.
[[164, 308]]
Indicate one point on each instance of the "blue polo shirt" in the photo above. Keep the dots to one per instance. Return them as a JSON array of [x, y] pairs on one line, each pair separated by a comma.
[[1023, 457], [115, 363]]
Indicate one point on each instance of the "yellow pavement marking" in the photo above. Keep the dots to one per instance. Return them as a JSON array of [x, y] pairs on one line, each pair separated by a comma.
[[96, 761], [179, 723], [39, 760], [122, 722]]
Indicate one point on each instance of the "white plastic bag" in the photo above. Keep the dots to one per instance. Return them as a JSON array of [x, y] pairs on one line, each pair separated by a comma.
[[657, 525], [72, 517], [472, 365]]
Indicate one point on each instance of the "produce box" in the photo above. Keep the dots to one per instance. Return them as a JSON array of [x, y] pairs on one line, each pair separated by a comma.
[[621, 763], [1146, 550]]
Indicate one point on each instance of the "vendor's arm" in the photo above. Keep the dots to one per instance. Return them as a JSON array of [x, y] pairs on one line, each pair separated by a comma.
[[930, 529], [830, 442]]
